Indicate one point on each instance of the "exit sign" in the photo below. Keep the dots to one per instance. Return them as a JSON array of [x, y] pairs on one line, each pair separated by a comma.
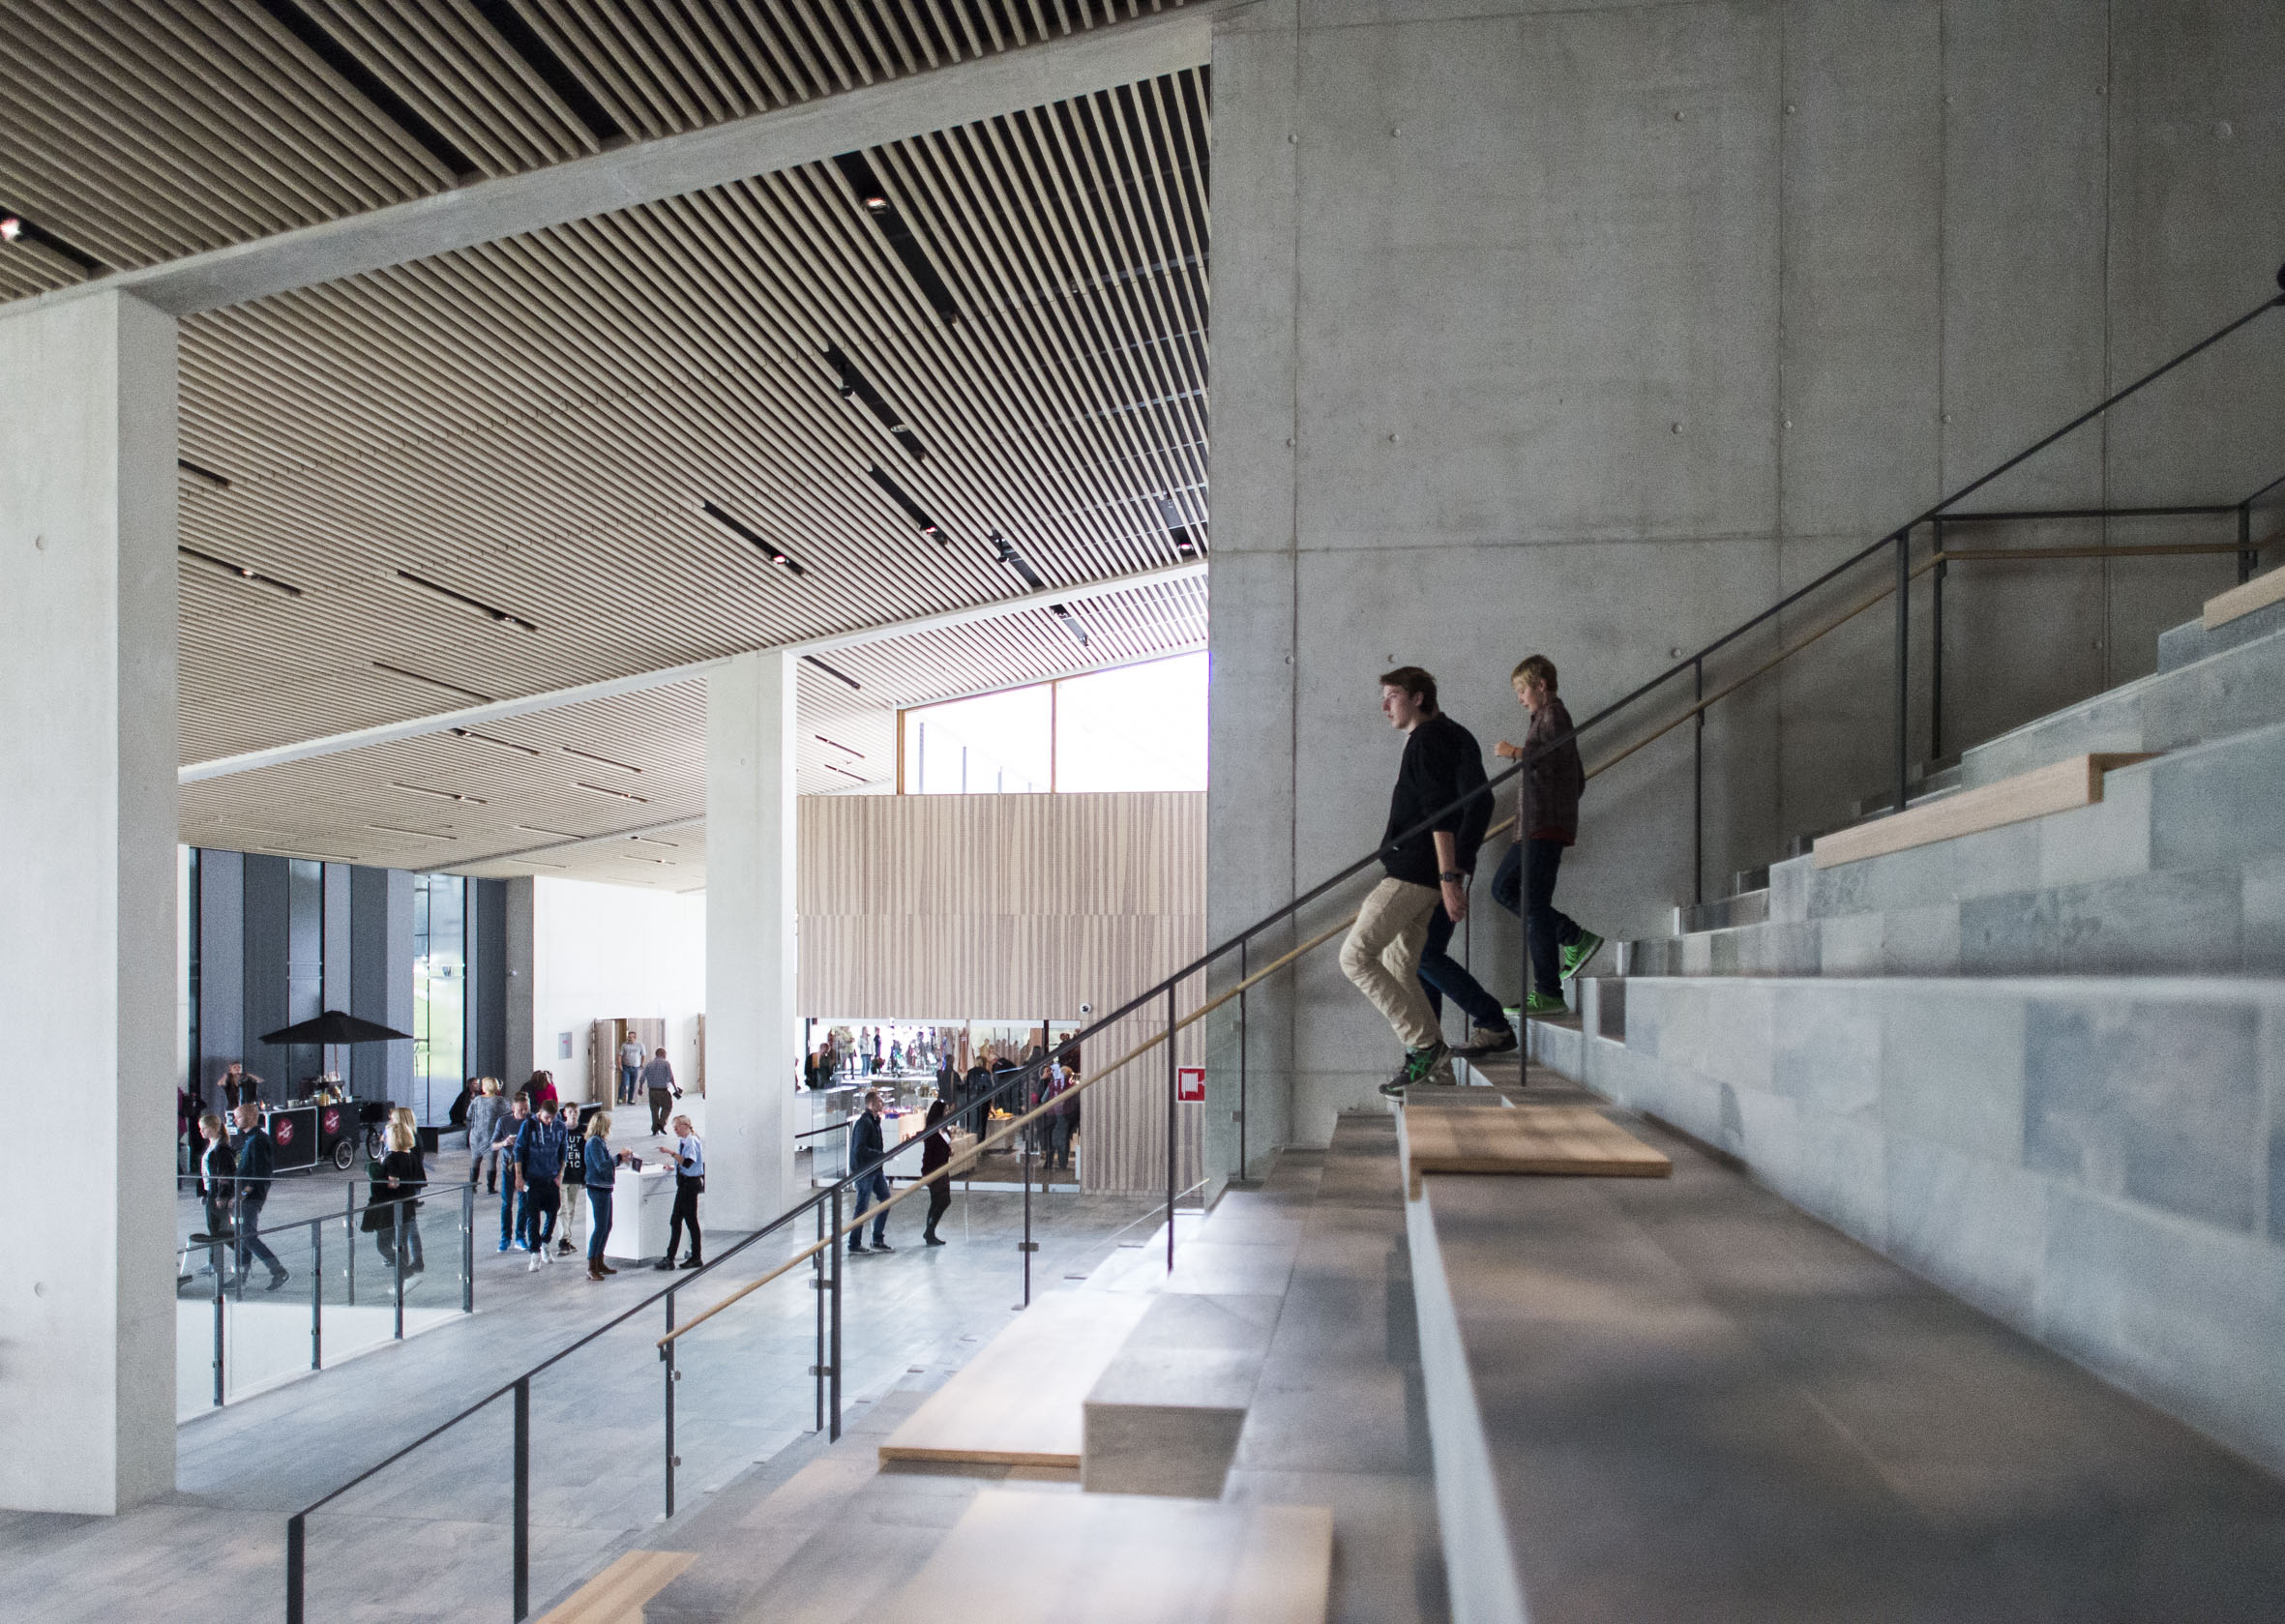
[[1190, 1085]]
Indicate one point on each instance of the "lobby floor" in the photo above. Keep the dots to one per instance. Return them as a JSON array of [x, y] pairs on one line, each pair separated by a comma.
[[429, 1538]]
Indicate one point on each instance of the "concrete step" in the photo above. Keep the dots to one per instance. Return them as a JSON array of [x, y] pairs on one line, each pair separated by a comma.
[[2178, 868], [2237, 685], [1687, 1399], [2093, 1158], [2192, 641], [1164, 1417], [1743, 908]]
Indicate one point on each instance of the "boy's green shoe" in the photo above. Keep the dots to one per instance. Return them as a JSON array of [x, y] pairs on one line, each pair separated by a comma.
[[1576, 956], [1547, 1004]]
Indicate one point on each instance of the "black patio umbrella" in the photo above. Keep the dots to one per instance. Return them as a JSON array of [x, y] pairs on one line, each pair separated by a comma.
[[334, 1027]]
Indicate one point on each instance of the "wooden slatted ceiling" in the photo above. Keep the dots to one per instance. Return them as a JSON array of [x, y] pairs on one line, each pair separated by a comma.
[[140, 130], [533, 422], [388, 804]]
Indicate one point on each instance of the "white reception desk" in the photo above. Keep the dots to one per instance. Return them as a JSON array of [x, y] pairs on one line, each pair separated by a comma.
[[641, 1205]]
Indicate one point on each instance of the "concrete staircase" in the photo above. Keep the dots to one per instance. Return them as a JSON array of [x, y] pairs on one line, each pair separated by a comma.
[[2042, 1065], [1248, 1456]]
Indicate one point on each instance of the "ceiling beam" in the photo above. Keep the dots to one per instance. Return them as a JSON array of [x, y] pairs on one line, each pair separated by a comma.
[[556, 699], [673, 166]]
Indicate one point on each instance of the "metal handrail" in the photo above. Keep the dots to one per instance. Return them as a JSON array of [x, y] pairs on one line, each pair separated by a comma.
[[830, 1195]]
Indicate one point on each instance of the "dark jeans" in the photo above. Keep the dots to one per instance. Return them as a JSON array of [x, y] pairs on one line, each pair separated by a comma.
[[1056, 1142], [626, 1077], [939, 1199], [686, 1212], [385, 1238], [1441, 974], [871, 1190], [599, 1221], [542, 1199], [511, 1217], [1525, 884], [250, 1237]]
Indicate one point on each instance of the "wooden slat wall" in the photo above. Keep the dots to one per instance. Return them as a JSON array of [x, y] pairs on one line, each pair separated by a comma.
[[1015, 907]]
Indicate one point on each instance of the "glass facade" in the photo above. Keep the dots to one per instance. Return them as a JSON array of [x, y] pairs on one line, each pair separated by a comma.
[[1137, 727], [439, 992]]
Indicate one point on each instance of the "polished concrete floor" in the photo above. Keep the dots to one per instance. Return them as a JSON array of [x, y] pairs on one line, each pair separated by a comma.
[[429, 1538]]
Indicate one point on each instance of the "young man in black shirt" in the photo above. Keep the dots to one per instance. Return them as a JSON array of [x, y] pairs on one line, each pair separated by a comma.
[[1442, 762]]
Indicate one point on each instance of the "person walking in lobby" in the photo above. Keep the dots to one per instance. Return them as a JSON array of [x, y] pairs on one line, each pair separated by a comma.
[[600, 1172], [485, 1112], [503, 1146], [630, 1066], [256, 1169], [540, 1151], [690, 1182], [937, 1153], [873, 1188], [658, 1077], [1423, 868], [216, 1165], [388, 1212], [1547, 821], [239, 1087]]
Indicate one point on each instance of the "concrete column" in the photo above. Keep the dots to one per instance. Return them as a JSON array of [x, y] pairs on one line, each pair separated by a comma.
[[752, 1030], [521, 1041], [88, 751]]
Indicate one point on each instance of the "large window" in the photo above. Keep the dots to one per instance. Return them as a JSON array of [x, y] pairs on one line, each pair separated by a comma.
[[1137, 727], [439, 991]]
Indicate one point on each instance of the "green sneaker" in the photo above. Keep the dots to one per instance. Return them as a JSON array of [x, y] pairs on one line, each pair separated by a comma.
[[1546, 1004], [1577, 955], [1420, 1070]]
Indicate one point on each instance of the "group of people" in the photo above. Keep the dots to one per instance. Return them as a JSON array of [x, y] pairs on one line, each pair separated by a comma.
[[1437, 815], [236, 1172], [1051, 1135], [523, 1149]]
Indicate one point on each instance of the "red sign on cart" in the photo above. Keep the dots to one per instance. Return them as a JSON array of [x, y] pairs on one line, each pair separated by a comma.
[[1190, 1085]]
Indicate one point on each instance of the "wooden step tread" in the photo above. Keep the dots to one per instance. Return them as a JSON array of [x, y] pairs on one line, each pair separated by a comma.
[[2243, 599], [1124, 1559], [2076, 781], [1571, 1141], [1020, 1400], [617, 1594]]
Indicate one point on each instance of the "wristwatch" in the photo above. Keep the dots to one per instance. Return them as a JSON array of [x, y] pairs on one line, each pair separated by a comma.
[[1451, 874]]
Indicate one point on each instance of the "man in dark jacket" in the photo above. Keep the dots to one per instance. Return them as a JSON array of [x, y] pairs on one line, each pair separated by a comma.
[[1425, 867], [257, 1165], [540, 1149], [1547, 821], [872, 1188]]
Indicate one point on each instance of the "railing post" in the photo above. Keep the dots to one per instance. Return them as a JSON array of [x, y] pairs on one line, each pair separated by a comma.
[[523, 1500], [221, 1268], [1025, 1246], [2244, 542], [349, 1238], [817, 1290], [1904, 584], [318, 1293], [833, 1335], [673, 1375], [468, 1248], [1697, 788], [294, 1569], [1936, 651], [397, 1225], [1171, 1117], [1244, 1167]]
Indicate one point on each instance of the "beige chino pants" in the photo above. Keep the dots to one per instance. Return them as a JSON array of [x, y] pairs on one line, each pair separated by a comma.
[[1382, 956]]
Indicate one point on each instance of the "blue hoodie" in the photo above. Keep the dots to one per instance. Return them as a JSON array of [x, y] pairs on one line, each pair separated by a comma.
[[541, 1147]]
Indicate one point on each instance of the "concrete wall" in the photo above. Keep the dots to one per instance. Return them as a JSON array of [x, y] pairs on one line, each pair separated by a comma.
[[1594, 329], [604, 952]]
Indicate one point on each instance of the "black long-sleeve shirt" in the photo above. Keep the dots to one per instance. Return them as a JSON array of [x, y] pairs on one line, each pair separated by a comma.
[[1441, 763]]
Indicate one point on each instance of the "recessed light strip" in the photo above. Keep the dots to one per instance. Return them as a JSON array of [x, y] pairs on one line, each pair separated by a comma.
[[770, 551], [599, 760], [845, 772], [838, 745], [207, 474], [435, 682], [838, 676], [618, 794], [474, 737], [418, 833], [439, 794], [16, 228], [370, 85], [874, 198], [240, 572], [913, 511], [500, 616], [854, 385]]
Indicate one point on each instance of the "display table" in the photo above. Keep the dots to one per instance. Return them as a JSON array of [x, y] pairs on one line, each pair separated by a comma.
[[642, 1204]]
